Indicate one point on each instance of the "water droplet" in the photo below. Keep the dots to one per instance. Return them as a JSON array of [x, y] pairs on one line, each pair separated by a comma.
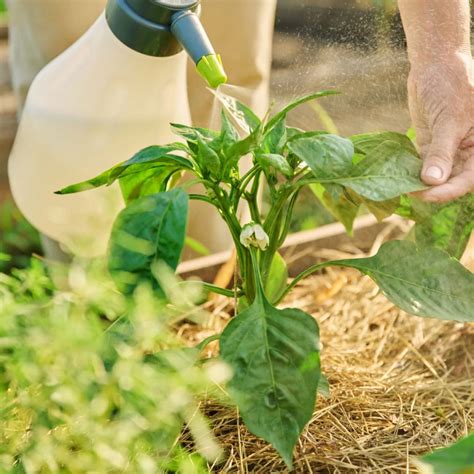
[[271, 400]]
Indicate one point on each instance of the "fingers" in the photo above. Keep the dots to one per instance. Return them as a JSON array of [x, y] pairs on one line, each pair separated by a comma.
[[455, 188], [438, 162]]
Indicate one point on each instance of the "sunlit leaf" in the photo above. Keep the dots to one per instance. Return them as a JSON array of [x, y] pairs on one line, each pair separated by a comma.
[[141, 162]]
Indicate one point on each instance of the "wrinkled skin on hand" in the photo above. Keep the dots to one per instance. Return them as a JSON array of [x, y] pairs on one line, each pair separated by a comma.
[[441, 100]]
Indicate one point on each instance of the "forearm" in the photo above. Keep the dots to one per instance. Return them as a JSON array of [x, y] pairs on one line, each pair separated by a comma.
[[436, 30]]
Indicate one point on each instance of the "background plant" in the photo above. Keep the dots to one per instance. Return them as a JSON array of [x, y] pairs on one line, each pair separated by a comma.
[[91, 381], [19, 238], [275, 353]]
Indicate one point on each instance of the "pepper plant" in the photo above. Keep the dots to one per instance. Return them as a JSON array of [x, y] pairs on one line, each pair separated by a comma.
[[274, 353]]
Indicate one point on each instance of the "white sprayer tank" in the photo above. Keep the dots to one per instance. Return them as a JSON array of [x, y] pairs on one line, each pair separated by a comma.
[[94, 106]]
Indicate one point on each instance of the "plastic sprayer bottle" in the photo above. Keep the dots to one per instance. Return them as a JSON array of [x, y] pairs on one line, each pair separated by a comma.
[[110, 94]]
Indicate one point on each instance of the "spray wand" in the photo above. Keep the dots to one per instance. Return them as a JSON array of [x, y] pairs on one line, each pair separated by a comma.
[[163, 28]]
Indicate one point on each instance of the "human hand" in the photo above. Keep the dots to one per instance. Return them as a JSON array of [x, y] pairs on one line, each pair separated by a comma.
[[441, 100]]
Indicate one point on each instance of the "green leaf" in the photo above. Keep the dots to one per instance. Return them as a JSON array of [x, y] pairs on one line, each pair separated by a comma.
[[246, 145], [382, 209], [445, 226], [151, 180], [455, 459], [193, 134], [153, 156], [421, 281], [275, 358], [277, 278], [92, 183], [328, 156], [387, 172], [278, 162], [150, 229], [292, 132], [228, 137], [293, 105], [368, 142], [335, 199], [275, 140], [208, 160]]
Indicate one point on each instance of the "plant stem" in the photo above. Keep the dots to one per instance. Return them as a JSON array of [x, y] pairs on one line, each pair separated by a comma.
[[201, 197], [257, 277], [288, 217], [272, 227], [244, 182], [218, 290]]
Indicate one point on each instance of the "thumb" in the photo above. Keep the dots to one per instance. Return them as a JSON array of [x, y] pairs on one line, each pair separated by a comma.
[[438, 164]]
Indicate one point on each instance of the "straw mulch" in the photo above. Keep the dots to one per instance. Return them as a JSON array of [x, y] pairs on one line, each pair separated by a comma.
[[400, 385]]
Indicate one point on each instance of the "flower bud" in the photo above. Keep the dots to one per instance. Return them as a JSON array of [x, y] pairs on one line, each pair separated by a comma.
[[254, 235]]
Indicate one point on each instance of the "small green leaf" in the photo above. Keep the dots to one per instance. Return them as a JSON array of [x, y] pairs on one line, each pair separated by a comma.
[[246, 145], [275, 358], [208, 160], [455, 459], [278, 162], [275, 140], [293, 105], [193, 134], [277, 278], [151, 180], [227, 138], [150, 229], [368, 142], [421, 281], [292, 132]]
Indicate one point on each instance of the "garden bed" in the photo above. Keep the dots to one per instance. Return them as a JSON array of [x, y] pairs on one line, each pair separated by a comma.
[[400, 386]]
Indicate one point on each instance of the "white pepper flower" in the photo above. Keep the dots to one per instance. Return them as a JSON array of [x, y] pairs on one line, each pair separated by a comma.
[[254, 235]]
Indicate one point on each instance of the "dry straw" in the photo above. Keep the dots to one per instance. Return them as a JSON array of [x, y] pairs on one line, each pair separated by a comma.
[[401, 386]]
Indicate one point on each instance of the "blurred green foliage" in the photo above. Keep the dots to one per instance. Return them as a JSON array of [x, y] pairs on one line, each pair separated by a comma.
[[18, 239], [3, 7], [92, 381]]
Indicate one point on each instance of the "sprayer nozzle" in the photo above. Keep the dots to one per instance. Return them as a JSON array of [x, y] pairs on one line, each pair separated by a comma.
[[211, 69]]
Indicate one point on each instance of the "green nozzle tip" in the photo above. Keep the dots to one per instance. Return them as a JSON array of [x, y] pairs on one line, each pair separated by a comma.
[[211, 69]]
